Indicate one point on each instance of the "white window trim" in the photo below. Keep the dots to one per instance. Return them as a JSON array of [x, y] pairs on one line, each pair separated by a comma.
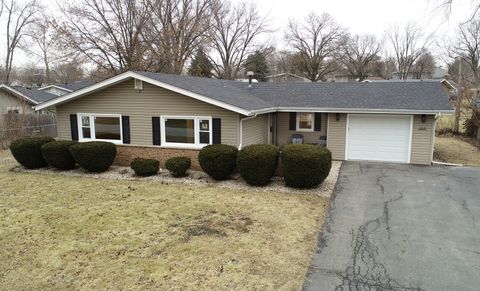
[[305, 129], [92, 127], [196, 128]]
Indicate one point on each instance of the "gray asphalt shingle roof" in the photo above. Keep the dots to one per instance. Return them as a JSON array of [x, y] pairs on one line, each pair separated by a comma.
[[350, 95], [221, 90], [35, 94], [77, 85]]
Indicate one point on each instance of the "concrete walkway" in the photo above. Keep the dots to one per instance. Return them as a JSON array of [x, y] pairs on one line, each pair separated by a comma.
[[400, 227]]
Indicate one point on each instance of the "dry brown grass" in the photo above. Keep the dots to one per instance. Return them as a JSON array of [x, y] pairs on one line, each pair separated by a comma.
[[453, 149], [60, 232]]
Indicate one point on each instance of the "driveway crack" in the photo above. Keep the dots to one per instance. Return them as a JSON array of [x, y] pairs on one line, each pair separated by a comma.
[[365, 271]]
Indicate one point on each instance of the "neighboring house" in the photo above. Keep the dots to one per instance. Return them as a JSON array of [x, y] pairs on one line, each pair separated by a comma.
[[286, 78], [449, 85], [438, 73], [160, 115], [66, 88], [18, 99]]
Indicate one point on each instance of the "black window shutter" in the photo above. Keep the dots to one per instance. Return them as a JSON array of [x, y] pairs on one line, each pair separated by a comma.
[[217, 130], [293, 121], [156, 130], [126, 129], [318, 121], [74, 126]]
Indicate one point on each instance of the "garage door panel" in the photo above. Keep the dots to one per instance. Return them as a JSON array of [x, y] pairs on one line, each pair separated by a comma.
[[379, 138]]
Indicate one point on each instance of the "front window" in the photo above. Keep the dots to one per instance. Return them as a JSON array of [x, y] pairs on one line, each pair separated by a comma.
[[305, 121], [190, 132], [103, 127]]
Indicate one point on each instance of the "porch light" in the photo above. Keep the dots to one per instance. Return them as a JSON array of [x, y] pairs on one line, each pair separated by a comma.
[[337, 117], [424, 118]]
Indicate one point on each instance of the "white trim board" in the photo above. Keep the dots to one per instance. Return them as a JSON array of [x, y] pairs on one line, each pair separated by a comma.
[[129, 75], [18, 94], [55, 86]]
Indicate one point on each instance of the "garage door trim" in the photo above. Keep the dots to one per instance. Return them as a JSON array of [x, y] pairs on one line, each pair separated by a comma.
[[409, 152]]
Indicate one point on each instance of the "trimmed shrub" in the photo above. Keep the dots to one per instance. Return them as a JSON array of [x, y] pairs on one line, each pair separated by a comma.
[[218, 160], [57, 154], [27, 151], [257, 163], [178, 166], [305, 166], [94, 156], [145, 167]]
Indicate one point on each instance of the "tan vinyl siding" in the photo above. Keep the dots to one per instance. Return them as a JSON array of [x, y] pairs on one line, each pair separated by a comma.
[[255, 130], [422, 140], [8, 100], [141, 106], [285, 134], [336, 135]]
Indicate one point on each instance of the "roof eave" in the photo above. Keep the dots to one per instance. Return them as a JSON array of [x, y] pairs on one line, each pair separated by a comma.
[[353, 110], [19, 94], [127, 75]]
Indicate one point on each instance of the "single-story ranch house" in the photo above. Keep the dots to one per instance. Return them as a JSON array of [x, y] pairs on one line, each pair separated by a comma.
[[159, 115]]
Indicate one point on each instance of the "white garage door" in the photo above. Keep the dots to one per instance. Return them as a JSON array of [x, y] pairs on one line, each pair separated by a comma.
[[379, 137]]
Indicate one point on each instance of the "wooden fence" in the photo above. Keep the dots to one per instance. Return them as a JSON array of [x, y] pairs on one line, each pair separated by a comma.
[[13, 126]]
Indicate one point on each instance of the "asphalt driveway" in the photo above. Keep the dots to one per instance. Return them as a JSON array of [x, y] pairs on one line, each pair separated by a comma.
[[400, 227]]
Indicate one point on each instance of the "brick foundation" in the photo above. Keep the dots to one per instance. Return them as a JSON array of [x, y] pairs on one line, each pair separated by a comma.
[[126, 154]]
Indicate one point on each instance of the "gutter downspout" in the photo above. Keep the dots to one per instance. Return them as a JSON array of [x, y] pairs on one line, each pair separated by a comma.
[[241, 129]]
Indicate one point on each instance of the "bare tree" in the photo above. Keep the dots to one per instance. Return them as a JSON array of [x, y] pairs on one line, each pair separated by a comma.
[[425, 66], [45, 46], [315, 41], [466, 49], [177, 29], [446, 6], [408, 45], [358, 55], [109, 33], [233, 31], [19, 18]]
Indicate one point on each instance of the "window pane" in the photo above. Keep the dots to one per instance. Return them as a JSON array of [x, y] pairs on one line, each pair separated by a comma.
[[204, 125], [180, 130], [86, 132], [86, 121], [107, 128], [205, 137], [305, 121]]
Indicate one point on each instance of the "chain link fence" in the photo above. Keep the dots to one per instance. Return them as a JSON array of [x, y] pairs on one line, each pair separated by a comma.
[[13, 126]]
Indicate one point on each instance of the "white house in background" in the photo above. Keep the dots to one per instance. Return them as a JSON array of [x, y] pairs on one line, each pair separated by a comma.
[[286, 78], [60, 90]]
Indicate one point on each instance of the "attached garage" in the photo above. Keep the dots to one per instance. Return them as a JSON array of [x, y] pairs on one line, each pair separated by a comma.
[[379, 137]]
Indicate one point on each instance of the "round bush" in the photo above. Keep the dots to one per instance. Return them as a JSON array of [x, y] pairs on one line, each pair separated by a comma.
[[145, 167], [178, 166], [218, 160], [305, 166], [27, 151], [57, 155], [257, 163], [94, 156]]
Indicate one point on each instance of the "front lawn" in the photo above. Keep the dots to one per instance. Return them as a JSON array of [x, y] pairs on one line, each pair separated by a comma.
[[453, 149], [60, 232]]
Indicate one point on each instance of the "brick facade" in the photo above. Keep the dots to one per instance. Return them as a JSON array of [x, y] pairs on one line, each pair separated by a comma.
[[126, 154]]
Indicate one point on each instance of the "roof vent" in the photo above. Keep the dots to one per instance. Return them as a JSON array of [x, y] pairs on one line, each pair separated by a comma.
[[250, 77], [138, 85]]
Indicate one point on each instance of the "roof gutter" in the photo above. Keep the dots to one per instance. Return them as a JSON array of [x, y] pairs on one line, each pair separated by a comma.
[[241, 129], [350, 110]]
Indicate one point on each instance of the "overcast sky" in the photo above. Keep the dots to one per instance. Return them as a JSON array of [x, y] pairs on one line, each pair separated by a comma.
[[367, 16]]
